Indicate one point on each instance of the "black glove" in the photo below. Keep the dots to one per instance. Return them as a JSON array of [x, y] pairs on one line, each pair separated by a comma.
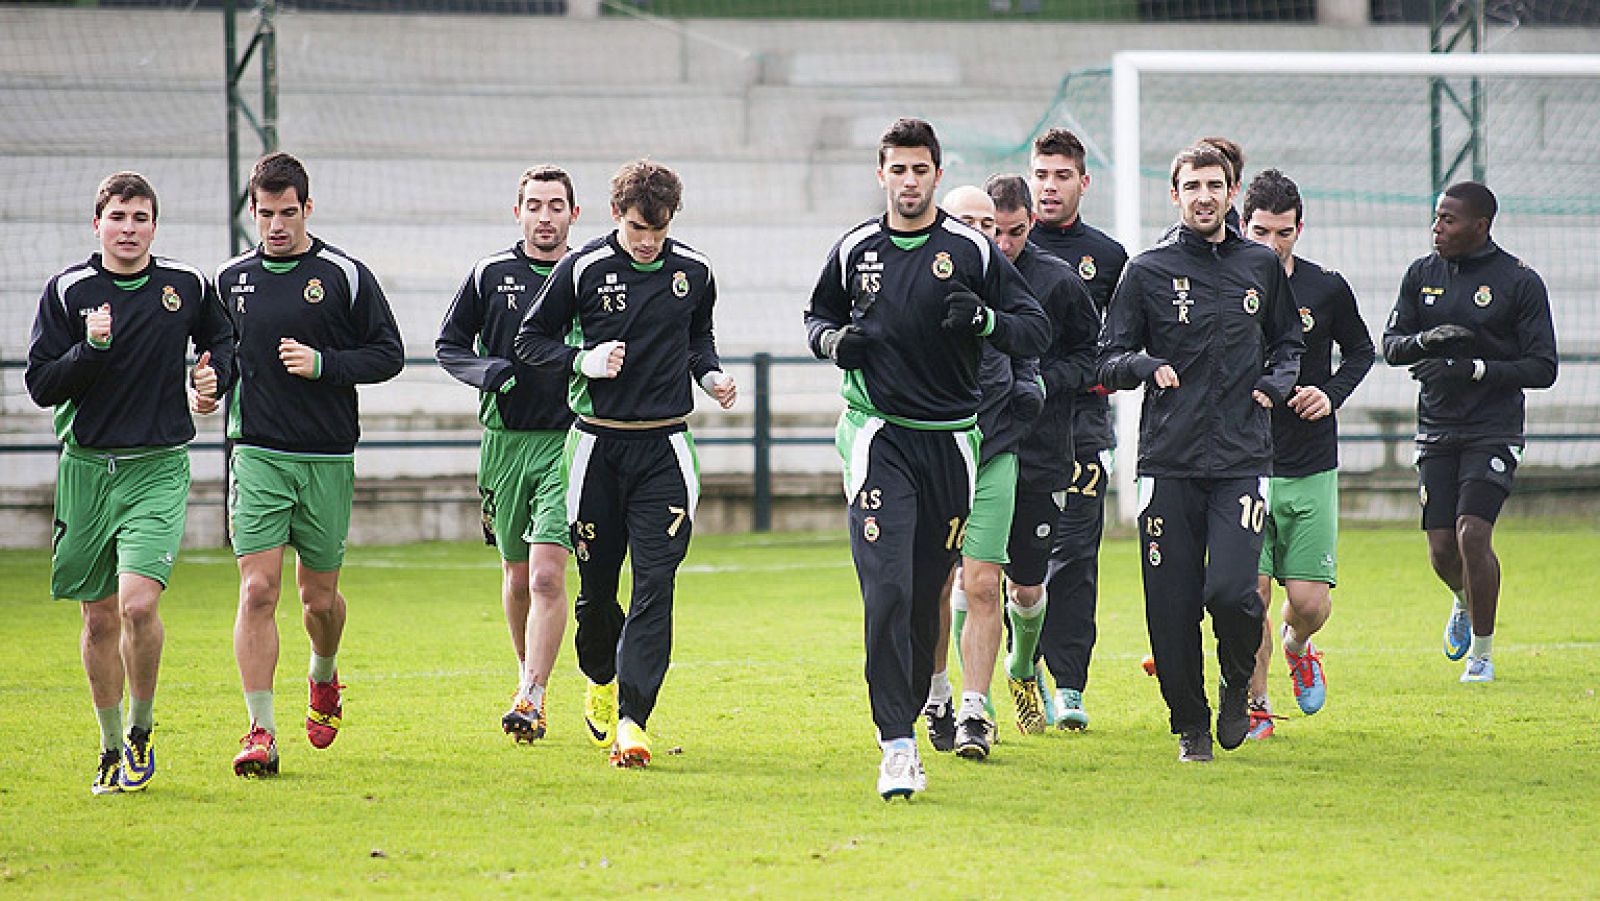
[[1144, 368], [1441, 335], [1431, 372], [1027, 400], [846, 347], [964, 312]]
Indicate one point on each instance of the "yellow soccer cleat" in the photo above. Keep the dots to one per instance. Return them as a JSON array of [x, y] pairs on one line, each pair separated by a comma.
[[600, 713], [1030, 706], [632, 748]]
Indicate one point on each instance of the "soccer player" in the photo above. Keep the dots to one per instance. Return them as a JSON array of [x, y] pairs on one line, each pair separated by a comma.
[[901, 306], [1045, 472], [1059, 181], [1205, 320], [313, 324], [628, 316], [1473, 323], [1299, 544], [525, 420], [107, 351]]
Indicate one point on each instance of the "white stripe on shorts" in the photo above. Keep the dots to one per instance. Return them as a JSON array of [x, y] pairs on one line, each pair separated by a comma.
[[860, 457], [575, 475], [691, 482]]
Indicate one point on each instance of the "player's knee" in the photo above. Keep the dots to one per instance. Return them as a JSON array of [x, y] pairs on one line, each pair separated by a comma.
[[1474, 535], [101, 622], [258, 593], [548, 581], [139, 613], [1027, 595]]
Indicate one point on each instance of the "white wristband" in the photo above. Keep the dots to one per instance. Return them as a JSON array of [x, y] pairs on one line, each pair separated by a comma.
[[593, 363], [710, 381]]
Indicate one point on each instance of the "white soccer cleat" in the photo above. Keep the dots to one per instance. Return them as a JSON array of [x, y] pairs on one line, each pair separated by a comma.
[[900, 775], [1479, 669]]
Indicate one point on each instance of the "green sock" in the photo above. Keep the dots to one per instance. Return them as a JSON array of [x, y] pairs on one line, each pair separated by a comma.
[[110, 727], [259, 703], [1026, 624], [322, 668], [142, 713]]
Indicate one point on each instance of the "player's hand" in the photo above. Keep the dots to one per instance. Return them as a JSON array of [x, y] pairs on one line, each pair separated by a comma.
[[98, 324], [604, 360], [203, 404], [1027, 401], [1432, 372], [723, 390], [1261, 398], [299, 359], [1310, 402], [964, 312], [1441, 335], [846, 347], [203, 377], [1167, 377]]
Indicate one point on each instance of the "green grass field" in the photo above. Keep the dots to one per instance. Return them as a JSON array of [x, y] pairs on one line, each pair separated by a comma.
[[1408, 784]]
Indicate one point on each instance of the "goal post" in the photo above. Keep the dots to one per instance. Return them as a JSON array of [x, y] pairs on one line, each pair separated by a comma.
[[1130, 72]]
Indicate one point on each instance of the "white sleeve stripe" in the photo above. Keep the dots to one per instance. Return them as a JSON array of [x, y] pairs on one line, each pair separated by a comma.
[[231, 263], [587, 260], [848, 244], [180, 266], [957, 227], [67, 280], [485, 263], [352, 275]]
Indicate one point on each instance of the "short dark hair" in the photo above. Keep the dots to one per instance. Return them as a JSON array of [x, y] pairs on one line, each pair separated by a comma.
[[1009, 193], [125, 186], [1273, 192], [1060, 142], [1233, 152], [545, 173], [278, 172], [908, 132], [1476, 197], [648, 188], [1202, 156]]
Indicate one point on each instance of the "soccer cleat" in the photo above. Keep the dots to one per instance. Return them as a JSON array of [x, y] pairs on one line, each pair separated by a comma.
[[1069, 710], [1305, 674], [1194, 747], [632, 749], [900, 775], [1233, 716], [524, 722], [139, 760], [1030, 707], [1260, 722], [1479, 669], [108, 773], [324, 711], [941, 719], [600, 712], [1044, 695], [1457, 633], [259, 756], [974, 735]]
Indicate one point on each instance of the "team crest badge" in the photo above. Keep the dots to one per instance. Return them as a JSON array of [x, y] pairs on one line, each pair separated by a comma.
[[680, 284], [1483, 296], [170, 298], [869, 529], [314, 292], [1041, 531], [582, 551], [1422, 495], [1307, 323], [1155, 554], [1252, 301], [943, 266], [1086, 268]]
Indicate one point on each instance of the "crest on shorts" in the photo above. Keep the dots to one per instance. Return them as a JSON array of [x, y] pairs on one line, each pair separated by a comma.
[[869, 529], [1307, 321], [1252, 301], [1086, 268], [1041, 531], [582, 551], [1155, 554], [1422, 495], [1483, 296], [314, 293], [680, 284], [943, 266], [170, 298], [1497, 464]]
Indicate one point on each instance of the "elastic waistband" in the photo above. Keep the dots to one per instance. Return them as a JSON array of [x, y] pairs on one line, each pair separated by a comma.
[[607, 428], [255, 450], [111, 457]]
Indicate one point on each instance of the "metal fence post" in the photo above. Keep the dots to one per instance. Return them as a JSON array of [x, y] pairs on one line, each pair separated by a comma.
[[762, 441]]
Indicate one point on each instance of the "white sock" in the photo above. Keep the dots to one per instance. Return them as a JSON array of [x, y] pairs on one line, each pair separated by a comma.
[[971, 705], [522, 673], [939, 688], [1461, 598], [899, 744], [1291, 642], [534, 693], [1482, 645], [322, 668], [958, 596]]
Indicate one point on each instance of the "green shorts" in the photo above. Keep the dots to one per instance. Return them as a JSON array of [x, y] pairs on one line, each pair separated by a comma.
[[276, 498], [524, 494], [117, 512], [1301, 536], [993, 503]]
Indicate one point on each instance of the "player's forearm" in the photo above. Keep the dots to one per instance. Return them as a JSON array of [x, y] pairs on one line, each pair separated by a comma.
[[464, 365], [1356, 362], [367, 365], [52, 382], [1531, 372], [1024, 333]]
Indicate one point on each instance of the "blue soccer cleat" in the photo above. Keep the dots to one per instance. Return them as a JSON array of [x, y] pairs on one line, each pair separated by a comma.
[[139, 759], [1457, 633], [1305, 674]]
